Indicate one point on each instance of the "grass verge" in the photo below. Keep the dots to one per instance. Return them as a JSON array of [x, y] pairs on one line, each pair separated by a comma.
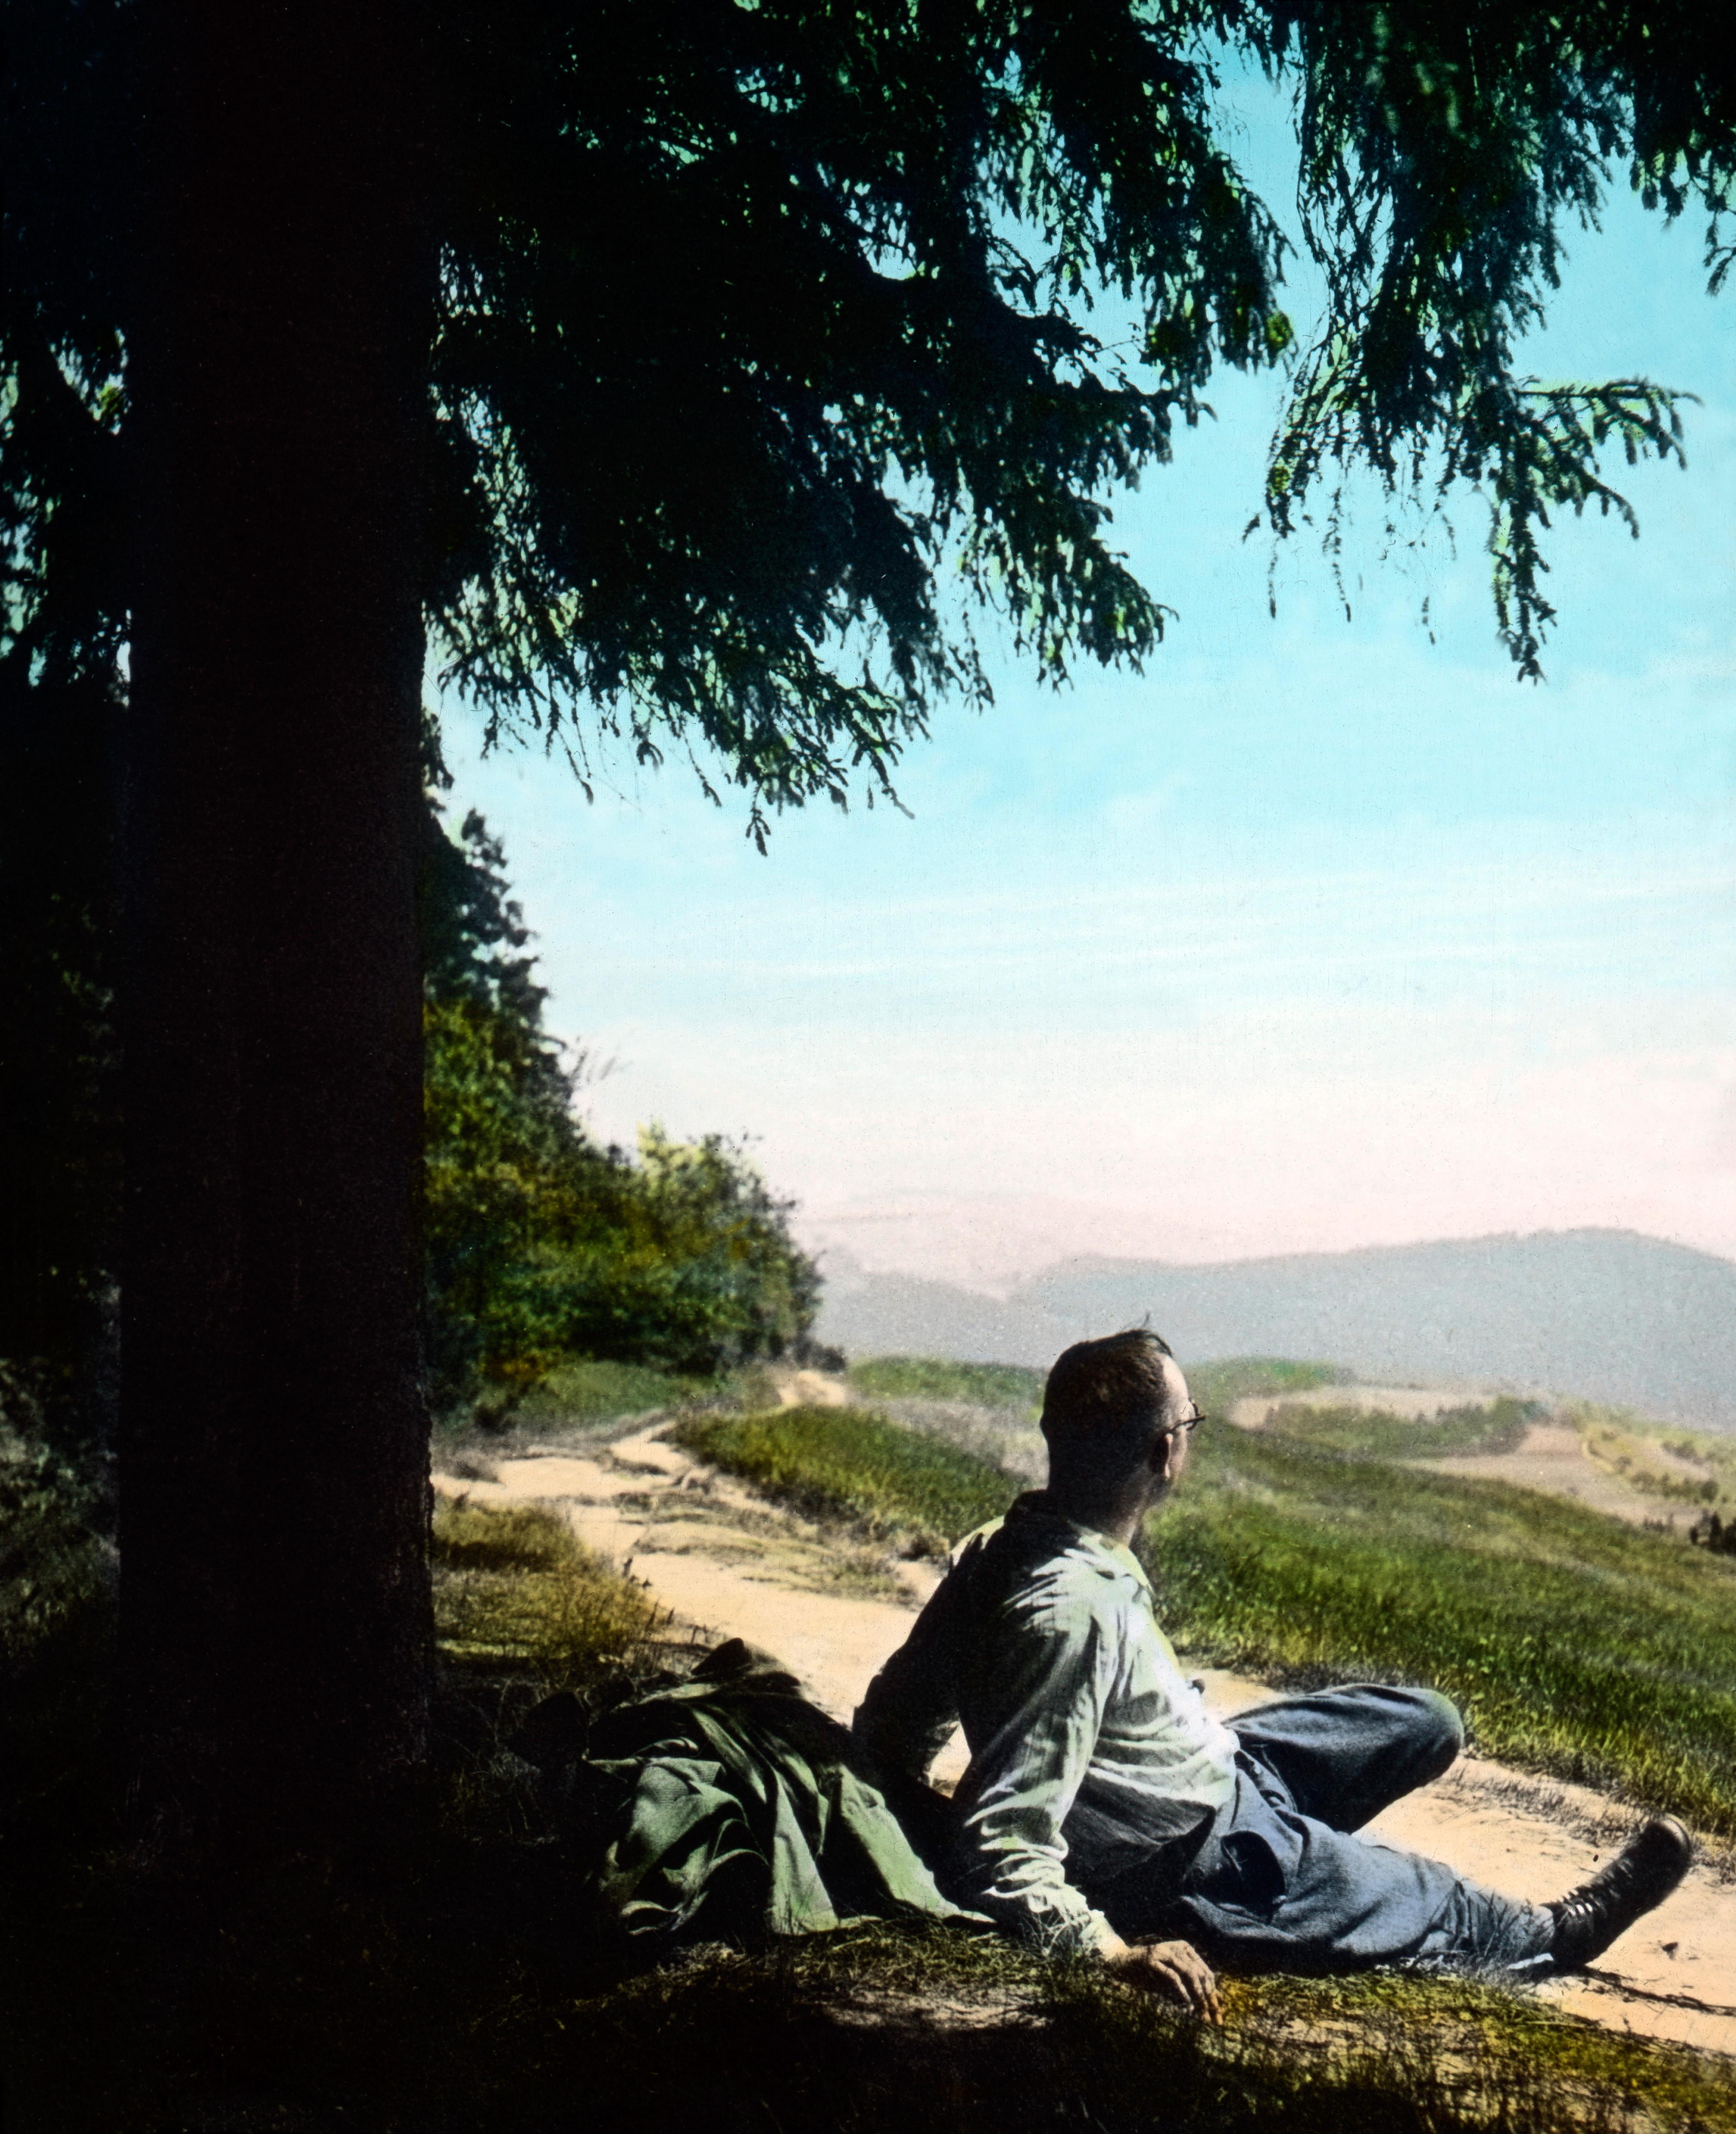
[[933, 1377], [514, 1588], [931, 2030], [912, 1489]]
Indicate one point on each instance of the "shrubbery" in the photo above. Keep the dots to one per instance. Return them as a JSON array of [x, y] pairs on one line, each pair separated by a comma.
[[56, 1611], [1364, 1433], [540, 1244]]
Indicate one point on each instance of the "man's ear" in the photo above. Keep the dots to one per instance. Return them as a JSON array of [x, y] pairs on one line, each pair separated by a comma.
[[1161, 1457]]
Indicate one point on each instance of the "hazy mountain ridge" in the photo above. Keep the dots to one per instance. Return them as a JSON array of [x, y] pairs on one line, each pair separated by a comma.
[[1602, 1315]]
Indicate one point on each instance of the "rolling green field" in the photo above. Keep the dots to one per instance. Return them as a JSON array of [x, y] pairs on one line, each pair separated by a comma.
[[1574, 1644]]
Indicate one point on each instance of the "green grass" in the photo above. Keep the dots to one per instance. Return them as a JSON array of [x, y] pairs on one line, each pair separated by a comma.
[[904, 1486], [932, 1378], [1217, 1387], [1574, 1644], [327, 2006], [1374, 1434], [514, 1589]]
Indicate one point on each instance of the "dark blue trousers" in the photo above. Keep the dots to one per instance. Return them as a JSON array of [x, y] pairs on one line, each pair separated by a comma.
[[1278, 1881]]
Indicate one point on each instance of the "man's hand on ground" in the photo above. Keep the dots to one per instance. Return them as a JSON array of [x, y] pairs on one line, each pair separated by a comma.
[[1171, 1970]]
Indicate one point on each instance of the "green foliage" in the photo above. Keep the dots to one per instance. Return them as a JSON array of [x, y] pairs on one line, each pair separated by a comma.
[[754, 326], [540, 1246], [808, 285], [1217, 1388], [853, 1464], [60, 1046], [56, 1613], [515, 1591], [499, 1156], [1444, 149], [933, 1377], [1575, 1644], [1497, 1426]]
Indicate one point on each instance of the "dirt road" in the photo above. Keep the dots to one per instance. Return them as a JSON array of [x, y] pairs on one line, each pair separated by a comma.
[[733, 1564]]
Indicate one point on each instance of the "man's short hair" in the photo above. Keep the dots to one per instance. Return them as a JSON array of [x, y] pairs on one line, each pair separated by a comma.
[[1096, 1390]]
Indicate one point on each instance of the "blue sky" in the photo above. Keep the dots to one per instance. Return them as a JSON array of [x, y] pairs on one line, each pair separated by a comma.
[[1318, 934]]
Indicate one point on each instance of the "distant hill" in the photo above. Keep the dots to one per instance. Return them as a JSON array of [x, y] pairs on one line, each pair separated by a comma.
[[1604, 1314]]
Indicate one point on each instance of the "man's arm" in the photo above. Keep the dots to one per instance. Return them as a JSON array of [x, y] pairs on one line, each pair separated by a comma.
[[1049, 1664], [1054, 1663], [911, 1706]]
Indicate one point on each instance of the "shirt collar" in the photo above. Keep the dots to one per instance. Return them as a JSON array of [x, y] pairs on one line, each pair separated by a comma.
[[1034, 1504]]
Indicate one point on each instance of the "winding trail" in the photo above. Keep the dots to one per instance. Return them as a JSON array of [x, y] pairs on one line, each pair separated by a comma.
[[731, 1564]]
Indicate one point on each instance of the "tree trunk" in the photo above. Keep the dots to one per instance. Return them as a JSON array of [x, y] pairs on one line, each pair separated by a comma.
[[275, 1617]]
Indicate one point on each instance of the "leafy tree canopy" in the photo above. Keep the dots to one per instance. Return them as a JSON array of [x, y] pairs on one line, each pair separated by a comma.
[[751, 323]]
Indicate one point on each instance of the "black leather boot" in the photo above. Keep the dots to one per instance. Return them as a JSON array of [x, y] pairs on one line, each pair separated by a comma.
[[1642, 1874]]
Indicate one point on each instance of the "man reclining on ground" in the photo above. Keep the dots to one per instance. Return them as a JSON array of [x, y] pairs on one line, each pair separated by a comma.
[[1104, 1811]]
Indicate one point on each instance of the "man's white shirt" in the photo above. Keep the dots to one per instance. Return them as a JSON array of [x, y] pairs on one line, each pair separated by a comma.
[[1089, 1747]]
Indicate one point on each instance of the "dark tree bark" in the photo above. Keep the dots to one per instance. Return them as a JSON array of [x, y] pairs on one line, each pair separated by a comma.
[[275, 1618]]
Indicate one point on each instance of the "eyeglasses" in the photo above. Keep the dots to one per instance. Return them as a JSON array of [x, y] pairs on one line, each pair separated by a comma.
[[1188, 1423]]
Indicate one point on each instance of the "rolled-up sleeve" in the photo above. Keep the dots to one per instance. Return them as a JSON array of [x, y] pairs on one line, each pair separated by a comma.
[[1055, 1664]]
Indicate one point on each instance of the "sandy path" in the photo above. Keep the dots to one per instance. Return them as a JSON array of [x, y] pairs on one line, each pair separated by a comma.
[[812, 1389], [729, 1564]]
